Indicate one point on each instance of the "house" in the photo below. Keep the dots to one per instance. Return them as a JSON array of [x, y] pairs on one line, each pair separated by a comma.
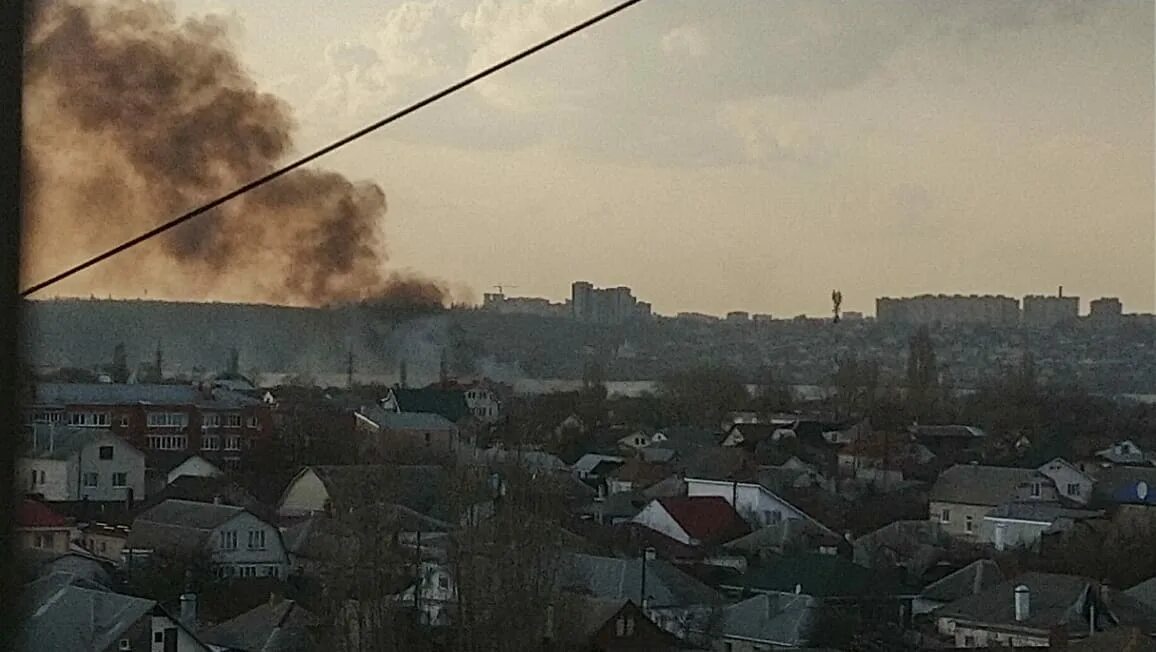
[[694, 521], [531, 460], [1035, 609], [973, 579], [425, 489], [65, 463], [278, 625], [1021, 524], [685, 440], [914, 546], [634, 475], [592, 466], [768, 621], [322, 540], [194, 466], [757, 505], [749, 435], [791, 535], [62, 612], [671, 598], [965, 493], [236, 542], [949, 442], [37, 526], [1071, 483], [104, 540], [883, 459], [449, 404], [162, 468], [392, 430], [158, 417], [611, 625], [831, 581], [436, 594], [640, 439], [41, 563], [1123, 453]]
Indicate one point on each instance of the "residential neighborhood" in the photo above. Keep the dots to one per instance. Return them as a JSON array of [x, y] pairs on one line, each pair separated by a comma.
[[357, 520]]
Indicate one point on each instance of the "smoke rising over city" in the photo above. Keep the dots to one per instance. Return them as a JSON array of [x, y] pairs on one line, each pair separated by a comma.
[[132, 118]]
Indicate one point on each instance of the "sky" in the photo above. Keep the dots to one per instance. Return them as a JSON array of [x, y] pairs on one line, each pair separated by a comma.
[[742, 155]]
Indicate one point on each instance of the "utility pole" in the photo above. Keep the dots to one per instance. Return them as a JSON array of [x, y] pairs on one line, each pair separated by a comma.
[[349, 369]]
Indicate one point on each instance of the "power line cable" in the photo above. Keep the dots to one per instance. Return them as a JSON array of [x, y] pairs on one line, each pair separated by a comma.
[[364, 131]]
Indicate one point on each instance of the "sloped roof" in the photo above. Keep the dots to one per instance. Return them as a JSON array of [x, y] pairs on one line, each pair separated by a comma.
[[30, 513], [1054, 600], [709, 519], [450, 404], [179, 525], [62, 613], [407, 420], [610, 577], [753, 433], [1040, 512], [204, 490], [423, 488], [656, 454], [50, 442], [271, 627], [138, 394], [781, 620], [976, 484], [969, 580], [818, 575], [590, 461], [1120, 639], [596, 612], [948, 432], [785, 533], [1145, 592]]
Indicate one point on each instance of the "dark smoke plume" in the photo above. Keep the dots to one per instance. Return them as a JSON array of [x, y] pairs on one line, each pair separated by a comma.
[[132, 118]]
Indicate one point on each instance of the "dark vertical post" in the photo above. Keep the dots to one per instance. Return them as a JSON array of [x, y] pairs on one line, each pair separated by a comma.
[[11, 129]]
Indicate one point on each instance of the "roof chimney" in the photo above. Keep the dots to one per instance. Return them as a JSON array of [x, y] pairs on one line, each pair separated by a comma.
[[1022, 603]]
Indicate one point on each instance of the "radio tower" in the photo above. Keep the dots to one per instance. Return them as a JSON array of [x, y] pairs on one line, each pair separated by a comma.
[[837, 302]]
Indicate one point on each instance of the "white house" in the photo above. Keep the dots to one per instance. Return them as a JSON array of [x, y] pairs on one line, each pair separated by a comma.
[[758, 505], [1071, 483], [638, 439], [237, 542], [69, 464], [483, 403], [436, 593]]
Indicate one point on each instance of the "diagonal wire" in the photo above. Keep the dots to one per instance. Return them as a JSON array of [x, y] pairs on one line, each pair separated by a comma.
[[256, 183]]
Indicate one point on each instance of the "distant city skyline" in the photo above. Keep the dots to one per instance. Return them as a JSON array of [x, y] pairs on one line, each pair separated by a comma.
[[743, 156]]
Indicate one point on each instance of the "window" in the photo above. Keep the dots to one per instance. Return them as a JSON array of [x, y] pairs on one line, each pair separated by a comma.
[[427, 436], [247, 571], [43, 540], [42, 476], [945, 516], [969, 641], [443, 582], [210, 421], [45, 416], [630, 627], [125, 644], [968, 525], [228, 540], [91, 479], [168, 442], [256, 539], [1074, 489], [106, 452], [167, 419], [232, 443], [271, 571], [620, 627], [210, 442], [120, 479], [251, 422], [124, 421], [1036, 490], [158, 637], [232, 421], [89, 419]]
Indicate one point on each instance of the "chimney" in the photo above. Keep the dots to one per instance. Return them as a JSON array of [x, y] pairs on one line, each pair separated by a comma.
[[798, 589], [1060, 294], [189, 609], [1022, 603]]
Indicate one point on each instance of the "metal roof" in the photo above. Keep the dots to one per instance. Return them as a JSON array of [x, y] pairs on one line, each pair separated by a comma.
[[64, 394]]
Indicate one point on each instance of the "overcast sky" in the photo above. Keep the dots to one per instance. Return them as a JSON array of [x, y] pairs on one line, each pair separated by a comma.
[[741, 154]]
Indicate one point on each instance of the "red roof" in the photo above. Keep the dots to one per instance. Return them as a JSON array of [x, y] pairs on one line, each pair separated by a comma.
[[30, 513], [709, 519]]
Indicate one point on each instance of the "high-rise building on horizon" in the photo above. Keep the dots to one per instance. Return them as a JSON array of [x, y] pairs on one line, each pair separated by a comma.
[[948, 309], [1044, 311], [605, 305]]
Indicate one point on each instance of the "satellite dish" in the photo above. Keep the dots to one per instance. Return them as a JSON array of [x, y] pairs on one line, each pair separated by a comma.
[[1142, 490]]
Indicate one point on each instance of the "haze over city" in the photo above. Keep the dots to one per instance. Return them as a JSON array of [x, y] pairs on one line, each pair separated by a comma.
[[748, 156]]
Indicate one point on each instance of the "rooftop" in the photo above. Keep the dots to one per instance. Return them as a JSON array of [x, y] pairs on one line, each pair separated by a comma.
[[450, 404], [969, 580], [275, 626], [610, 577], [781, 620], [64, 394], [708, 519], [975, 484], [33, 514]]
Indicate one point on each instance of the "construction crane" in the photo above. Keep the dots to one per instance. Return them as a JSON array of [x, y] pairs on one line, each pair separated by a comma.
[[502, 288]]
